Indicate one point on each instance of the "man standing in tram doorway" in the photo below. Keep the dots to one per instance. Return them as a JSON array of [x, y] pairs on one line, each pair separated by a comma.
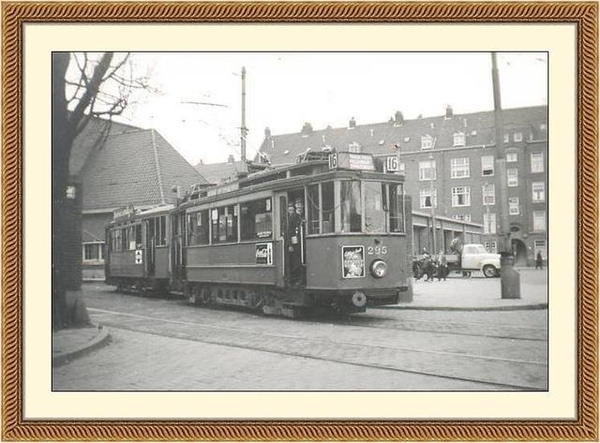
[[294, 240]]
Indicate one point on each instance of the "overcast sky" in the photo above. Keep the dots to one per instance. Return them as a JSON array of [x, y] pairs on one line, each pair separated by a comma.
[[284, 90]]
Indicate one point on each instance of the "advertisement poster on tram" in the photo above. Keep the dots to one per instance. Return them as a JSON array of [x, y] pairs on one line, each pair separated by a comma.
[[264, 253], [353, 261]]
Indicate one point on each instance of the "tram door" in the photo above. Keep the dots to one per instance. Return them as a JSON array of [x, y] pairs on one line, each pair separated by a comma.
[[177, 264], [291, 221], [150, 245]]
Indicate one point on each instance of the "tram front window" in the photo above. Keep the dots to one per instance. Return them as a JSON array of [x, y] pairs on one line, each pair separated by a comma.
[[396, 208], [351, 206], [375, 217]]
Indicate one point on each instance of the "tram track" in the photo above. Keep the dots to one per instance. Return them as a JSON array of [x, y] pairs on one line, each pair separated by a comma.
[[492, 372], [472, 329]]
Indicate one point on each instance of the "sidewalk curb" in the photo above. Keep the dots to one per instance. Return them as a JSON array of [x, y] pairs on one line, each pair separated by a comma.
[[103, 338], [467, 308]]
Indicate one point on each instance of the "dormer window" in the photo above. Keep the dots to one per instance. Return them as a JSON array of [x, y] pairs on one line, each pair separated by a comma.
[[426, 142], [459, 139], [518, 136]]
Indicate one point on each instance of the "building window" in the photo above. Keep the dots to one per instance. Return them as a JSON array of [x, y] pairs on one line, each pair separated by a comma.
[[491, 246], [426, 142], [427, 170], [459, 139], [513, 206], [256, 219], [489, 223], [512, 177], [539, 221], [511, 157], [461, 196], [354, 147], [489, 194], [538, 193], [506, 138], [462, 217], [93, 252], [518, 136], [428, 198], [487, 165], [459, 168], [537, 162]]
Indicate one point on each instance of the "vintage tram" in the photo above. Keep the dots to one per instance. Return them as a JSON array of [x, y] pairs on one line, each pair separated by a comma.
[[240, 243]]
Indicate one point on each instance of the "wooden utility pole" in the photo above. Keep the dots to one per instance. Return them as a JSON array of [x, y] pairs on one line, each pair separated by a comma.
[[510, 278], [500, 163]]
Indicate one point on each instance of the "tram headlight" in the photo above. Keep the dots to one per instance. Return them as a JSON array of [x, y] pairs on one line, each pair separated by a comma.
[[379, 268]]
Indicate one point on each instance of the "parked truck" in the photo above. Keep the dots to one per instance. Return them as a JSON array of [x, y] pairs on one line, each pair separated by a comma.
[[474, 257]]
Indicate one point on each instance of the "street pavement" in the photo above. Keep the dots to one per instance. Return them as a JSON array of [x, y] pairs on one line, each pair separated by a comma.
[[462, 294]]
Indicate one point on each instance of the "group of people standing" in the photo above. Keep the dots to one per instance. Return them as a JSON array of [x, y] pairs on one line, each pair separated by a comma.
[[429, 267]]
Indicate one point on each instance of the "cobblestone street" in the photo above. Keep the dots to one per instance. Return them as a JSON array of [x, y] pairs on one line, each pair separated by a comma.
[[167, 345]]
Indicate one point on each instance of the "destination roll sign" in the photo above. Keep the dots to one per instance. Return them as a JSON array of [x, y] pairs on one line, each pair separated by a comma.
[[124, 213], [351, 160]]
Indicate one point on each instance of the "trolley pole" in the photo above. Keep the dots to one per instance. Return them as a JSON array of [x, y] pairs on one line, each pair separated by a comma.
[[510, 278]]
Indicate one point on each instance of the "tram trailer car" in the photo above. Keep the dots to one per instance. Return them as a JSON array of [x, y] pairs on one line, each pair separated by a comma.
[[138, 249], [230, 245]]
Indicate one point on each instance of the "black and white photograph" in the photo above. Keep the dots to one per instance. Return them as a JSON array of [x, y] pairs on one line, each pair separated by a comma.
[[300, 221]]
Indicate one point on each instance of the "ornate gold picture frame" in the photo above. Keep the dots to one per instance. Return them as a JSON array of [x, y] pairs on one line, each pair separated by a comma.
[[583, 15]]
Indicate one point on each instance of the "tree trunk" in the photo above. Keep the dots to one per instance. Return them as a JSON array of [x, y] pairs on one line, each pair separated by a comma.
[[60, 174], [65, 127]]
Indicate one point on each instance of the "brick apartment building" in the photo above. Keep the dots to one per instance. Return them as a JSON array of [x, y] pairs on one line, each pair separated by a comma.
[[450, 171]]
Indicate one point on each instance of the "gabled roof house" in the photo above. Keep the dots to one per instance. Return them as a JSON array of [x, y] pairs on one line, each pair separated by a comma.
[[118, 165]]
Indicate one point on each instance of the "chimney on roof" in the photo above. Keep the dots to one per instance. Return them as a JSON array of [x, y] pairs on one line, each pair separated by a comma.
[[230, 159], [267, 132], [398, 118], [307, 128], [352, 123], [449, 111]]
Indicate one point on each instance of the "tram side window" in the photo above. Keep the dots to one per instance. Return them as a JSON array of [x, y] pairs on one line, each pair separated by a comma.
[[396, 208], [375, 204], [132, 237], [197, 228], [351, 206], [224, 224], [124, 244], [115, 237], [256, 219], [138, 236], [312, 212]]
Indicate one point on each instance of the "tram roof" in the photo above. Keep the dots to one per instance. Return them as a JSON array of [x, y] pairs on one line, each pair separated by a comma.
[[281, 178]]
